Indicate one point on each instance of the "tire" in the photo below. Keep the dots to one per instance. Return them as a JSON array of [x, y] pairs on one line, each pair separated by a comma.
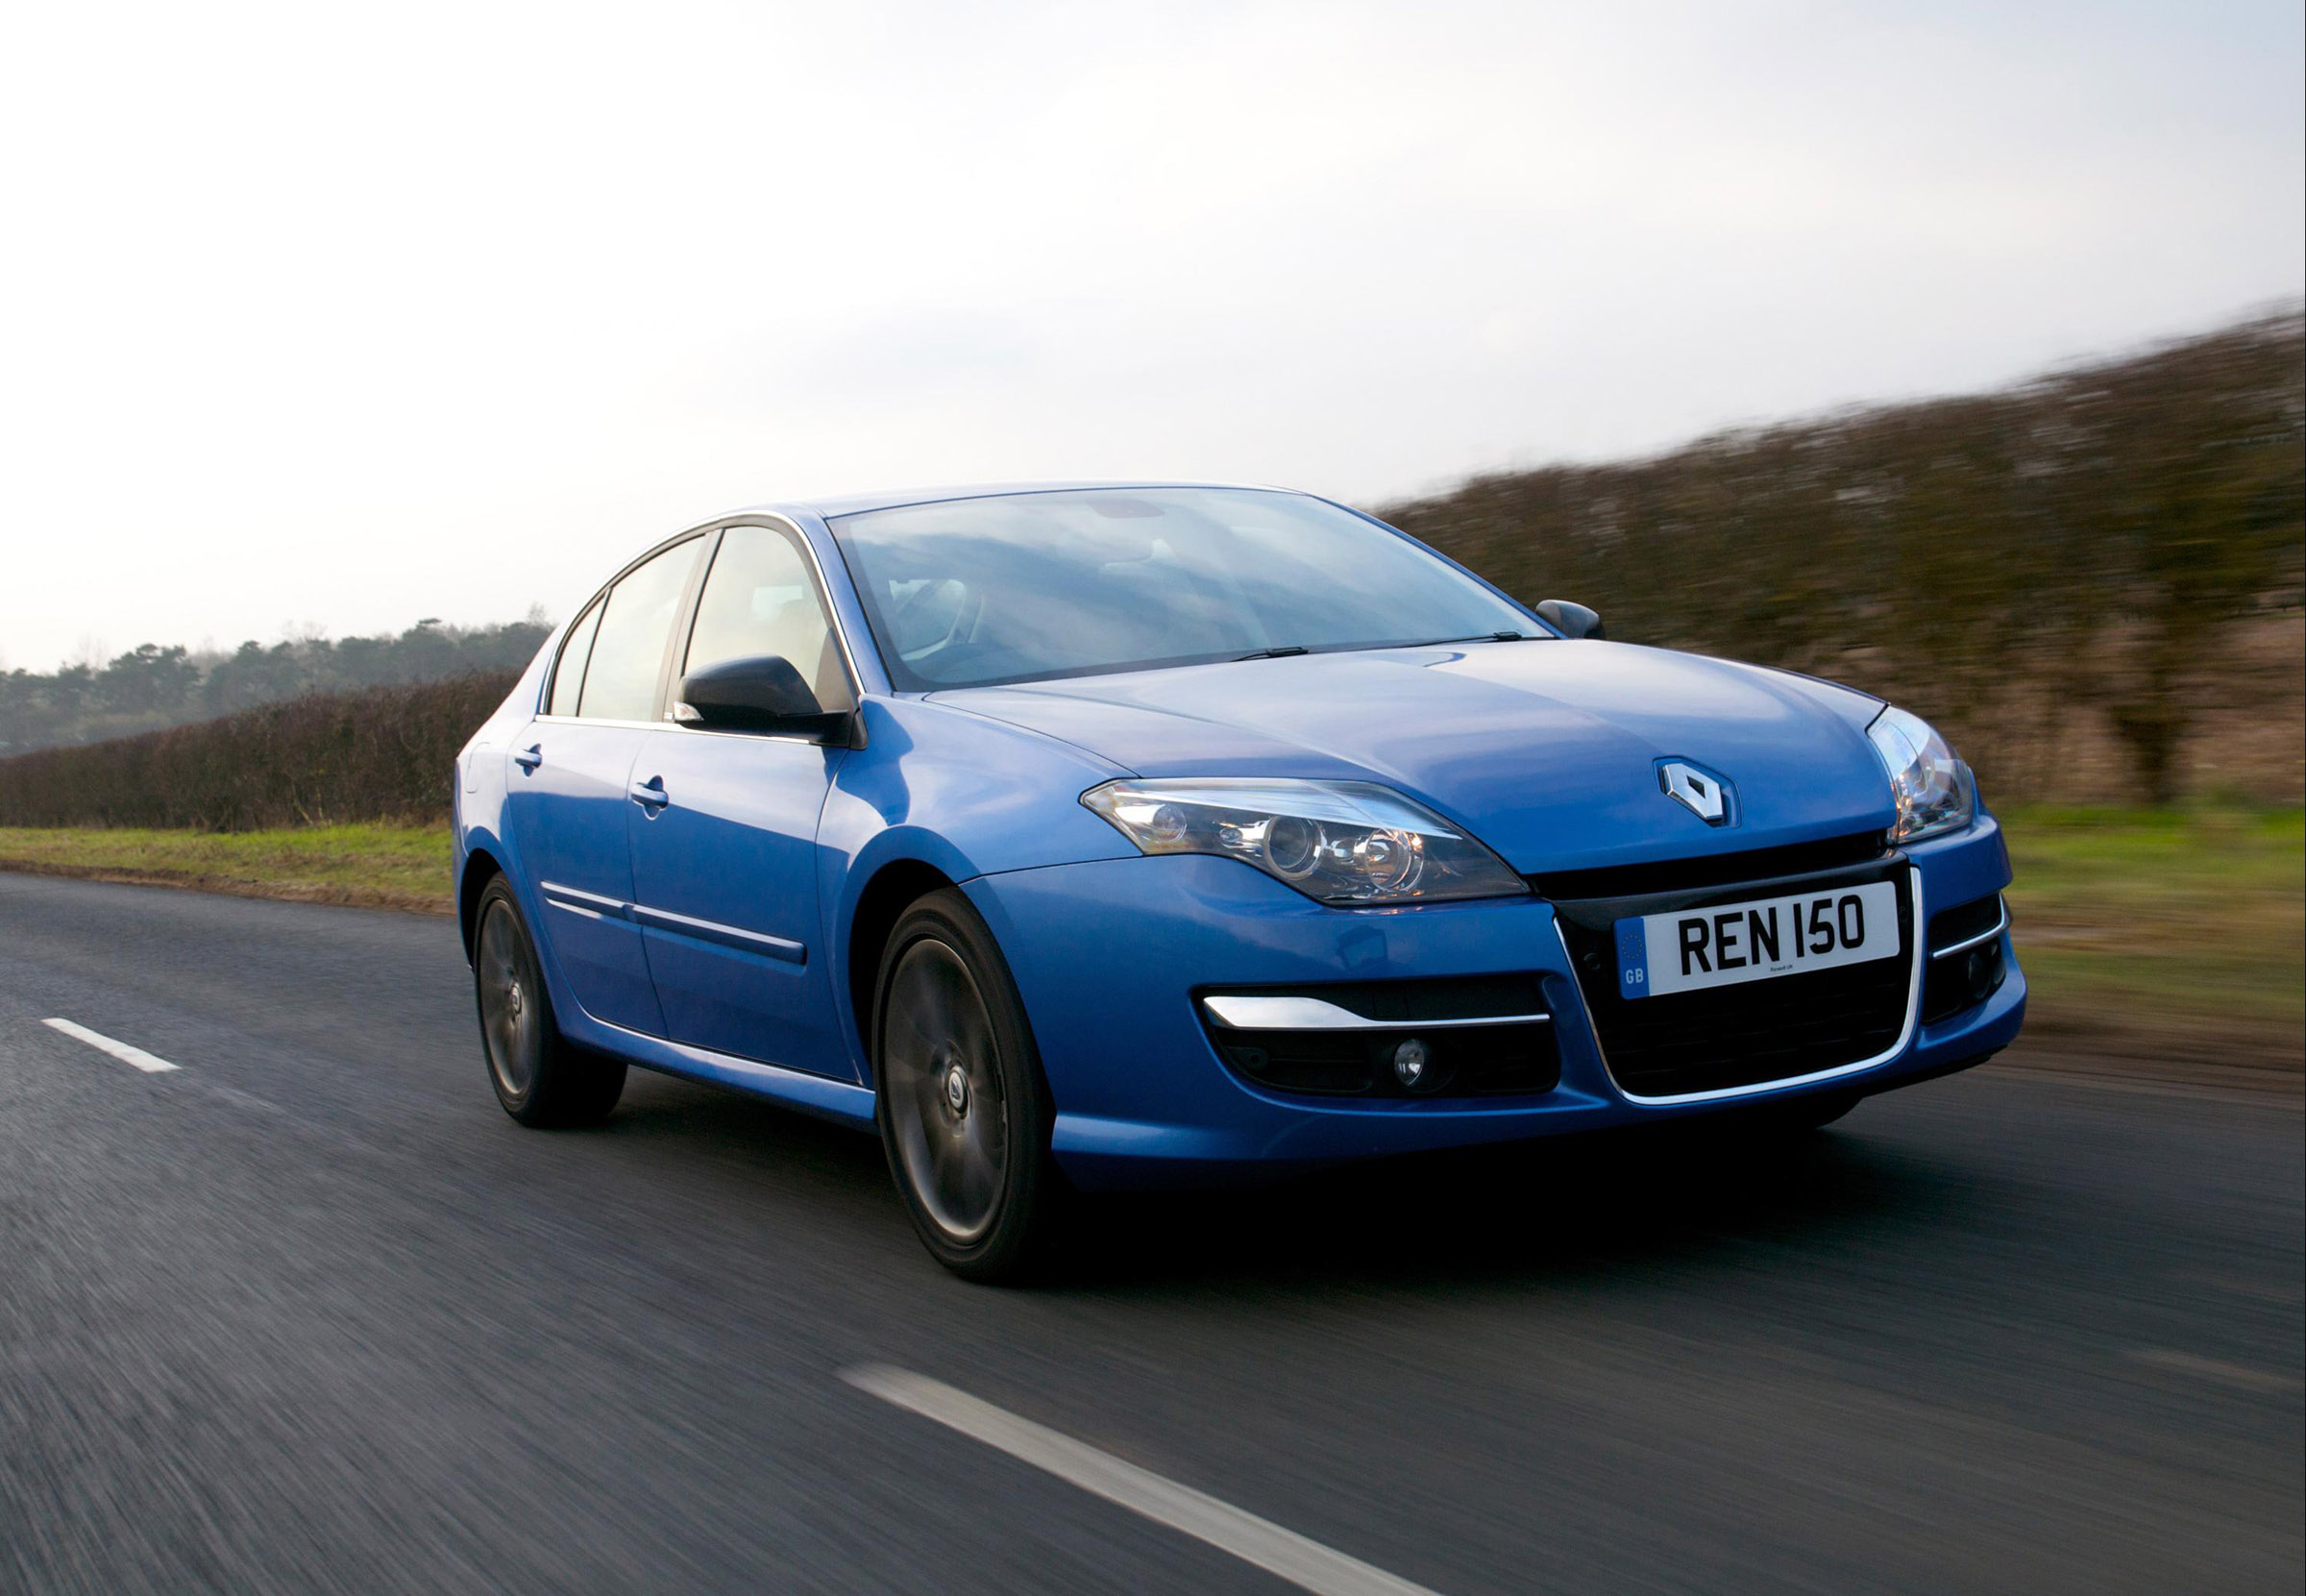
[[540, 1077], [962, 1107]]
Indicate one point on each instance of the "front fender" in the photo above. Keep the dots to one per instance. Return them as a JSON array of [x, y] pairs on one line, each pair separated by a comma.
[[956, 792]]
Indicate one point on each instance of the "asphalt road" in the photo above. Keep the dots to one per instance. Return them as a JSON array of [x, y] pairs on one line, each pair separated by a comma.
[[309, 1314]]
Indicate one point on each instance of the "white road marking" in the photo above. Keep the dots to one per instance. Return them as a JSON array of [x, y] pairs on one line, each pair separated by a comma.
[[1303, 1562], [2215, 1368], [150, 1064]]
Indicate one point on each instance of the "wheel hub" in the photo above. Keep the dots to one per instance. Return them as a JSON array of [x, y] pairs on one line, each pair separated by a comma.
[[512, 1040], [946, 1110]]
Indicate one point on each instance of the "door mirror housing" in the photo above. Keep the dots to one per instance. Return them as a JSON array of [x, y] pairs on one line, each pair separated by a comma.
[[1570, 620], [761, 693]]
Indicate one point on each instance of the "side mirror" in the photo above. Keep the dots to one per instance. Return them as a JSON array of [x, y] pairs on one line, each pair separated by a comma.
[[755, 693], [1570, 620]]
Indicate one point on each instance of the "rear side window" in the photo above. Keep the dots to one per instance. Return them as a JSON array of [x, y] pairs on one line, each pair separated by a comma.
[[568, 676], [761, 598], [629, 648]]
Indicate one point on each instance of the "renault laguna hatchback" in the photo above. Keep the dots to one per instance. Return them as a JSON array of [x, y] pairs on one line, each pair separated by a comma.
[[1098, 836]]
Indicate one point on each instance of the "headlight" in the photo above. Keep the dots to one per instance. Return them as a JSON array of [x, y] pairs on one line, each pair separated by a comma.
[[1340, 842], [1934, 790]]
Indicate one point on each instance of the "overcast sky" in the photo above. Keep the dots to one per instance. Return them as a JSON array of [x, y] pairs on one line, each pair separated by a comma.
[[334, 317]]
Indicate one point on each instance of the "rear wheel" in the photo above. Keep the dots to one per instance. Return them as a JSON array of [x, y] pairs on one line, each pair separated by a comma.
[[963, 1114], [538, 1075]]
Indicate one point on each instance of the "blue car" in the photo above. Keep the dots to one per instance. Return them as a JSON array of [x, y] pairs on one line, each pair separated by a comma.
[[1092, 835]]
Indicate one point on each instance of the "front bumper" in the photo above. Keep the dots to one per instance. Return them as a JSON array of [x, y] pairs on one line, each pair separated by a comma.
[[1108, 955]]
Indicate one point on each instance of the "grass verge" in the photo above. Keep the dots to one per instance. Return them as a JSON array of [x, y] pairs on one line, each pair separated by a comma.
[[380, 867], [2175, 934]]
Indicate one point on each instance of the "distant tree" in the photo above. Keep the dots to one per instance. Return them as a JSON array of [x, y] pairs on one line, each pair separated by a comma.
[[71, 691], [147, 680], [360, 662], [152, 687], [424, 653], [253, 674], [24, 713]]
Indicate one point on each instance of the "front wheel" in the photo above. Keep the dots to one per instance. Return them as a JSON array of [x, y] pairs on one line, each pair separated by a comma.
[[963, 1114], [539, 1076]]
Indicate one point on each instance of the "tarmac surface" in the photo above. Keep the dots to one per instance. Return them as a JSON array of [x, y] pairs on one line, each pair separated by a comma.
[[307, 1312]]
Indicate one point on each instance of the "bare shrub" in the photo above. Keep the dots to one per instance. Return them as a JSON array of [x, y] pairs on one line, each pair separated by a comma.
[[2095, 553], [382, 753]]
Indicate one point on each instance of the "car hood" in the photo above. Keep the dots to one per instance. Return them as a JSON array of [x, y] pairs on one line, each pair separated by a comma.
[[1546, 750]]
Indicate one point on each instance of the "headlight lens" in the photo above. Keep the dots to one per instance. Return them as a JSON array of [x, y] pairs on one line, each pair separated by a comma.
[[1340, 842], [1934, 790]]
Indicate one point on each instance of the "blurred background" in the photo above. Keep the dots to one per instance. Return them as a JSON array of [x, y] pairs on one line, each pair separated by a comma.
[[1951, 351]]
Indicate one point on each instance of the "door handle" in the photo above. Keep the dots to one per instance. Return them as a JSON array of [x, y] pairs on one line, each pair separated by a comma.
[[650, 795], [529, 757]]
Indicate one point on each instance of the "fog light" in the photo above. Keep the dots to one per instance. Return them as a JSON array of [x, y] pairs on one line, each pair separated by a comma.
[[1410, 1060]]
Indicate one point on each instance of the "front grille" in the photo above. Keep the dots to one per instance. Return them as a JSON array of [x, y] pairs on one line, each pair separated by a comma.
[[1745, 1035], [1714, 870]]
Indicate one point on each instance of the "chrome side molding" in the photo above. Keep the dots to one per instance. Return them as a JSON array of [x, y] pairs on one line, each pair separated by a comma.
[[594, 906]]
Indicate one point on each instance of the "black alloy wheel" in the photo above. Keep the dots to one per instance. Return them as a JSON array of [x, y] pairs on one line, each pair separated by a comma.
[[964, 1113], [538, 1075]]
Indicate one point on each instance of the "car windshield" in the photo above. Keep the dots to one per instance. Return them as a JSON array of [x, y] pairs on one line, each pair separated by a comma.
[[1028, 586]]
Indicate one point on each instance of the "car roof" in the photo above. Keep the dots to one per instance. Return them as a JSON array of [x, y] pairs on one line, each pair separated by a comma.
[[853, 504]]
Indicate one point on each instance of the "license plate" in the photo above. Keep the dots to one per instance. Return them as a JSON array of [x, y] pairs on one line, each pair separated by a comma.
[[1728, 942]]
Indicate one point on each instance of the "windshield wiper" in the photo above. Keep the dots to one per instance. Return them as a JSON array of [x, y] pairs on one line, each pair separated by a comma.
[[1477, 637], [1287, 650]]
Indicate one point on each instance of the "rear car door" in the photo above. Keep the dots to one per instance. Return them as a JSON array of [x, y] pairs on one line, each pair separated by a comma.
[[724, 854], [570, 787]]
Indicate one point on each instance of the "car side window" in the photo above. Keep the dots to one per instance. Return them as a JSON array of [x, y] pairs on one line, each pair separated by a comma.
[[628, 646], [761, 598], [568, 676]]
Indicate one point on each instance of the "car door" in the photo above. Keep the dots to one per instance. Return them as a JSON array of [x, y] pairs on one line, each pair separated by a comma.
[[725, 851], [570, 786]]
